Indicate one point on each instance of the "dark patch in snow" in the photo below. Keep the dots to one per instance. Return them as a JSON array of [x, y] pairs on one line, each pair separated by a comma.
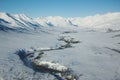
[[49, 24], [67, 32], [118, 43], [72, 24], [29, 59], [118, 35], [116, 50], [5, 28], [68, 40], [4, 21], [32, 59], [109, 30]]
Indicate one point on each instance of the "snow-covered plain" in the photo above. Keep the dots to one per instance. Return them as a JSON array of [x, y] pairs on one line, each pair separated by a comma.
[[96, 57]]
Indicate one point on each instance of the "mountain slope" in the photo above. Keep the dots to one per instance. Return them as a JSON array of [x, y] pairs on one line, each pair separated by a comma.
[[21, 21], [109, 20], [89, 54], [17, 22]]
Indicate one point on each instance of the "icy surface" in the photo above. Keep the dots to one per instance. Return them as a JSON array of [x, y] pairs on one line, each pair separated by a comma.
[[91, 58]]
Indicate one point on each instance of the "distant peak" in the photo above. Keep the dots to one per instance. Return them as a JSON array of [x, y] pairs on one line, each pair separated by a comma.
[[20, 15], [4, 13]]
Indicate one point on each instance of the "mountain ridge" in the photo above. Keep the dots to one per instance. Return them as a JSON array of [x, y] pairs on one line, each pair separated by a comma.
[[105, 21]]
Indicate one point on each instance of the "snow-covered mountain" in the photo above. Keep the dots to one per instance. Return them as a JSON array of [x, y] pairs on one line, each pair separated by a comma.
[[109, 20], [17, 22], [23, 22], [68, 52]]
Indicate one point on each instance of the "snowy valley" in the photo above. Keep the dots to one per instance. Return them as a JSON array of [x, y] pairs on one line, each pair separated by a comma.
[[57, 48]]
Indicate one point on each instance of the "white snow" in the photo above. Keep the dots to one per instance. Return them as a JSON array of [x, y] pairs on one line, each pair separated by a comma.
[[1, 78], [99, 21], [5, 16], [90, 58], [41, 49], [50, 65], [108, 20]]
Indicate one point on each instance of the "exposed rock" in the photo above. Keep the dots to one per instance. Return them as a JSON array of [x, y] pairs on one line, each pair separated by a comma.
[[49, 66], [32, 59]]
